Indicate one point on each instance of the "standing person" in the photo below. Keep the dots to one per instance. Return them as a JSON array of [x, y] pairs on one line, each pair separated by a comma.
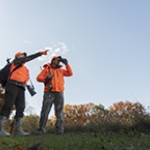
[[52, 76], [15, 91]]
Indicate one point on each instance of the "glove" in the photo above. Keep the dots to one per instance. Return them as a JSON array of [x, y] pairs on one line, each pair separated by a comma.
[[25, 54], [44, 52], [64, 60], [49, 77]]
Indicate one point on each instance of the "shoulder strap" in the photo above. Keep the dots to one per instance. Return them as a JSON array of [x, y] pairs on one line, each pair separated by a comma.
[[18, 66]]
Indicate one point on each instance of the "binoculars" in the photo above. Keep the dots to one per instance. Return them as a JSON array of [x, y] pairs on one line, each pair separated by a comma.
[[59, 58]]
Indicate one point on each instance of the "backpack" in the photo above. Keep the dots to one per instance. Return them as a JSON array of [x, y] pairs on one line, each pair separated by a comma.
[[4, 74]]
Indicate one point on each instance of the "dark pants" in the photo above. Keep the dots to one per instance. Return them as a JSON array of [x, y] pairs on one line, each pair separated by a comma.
[[57, 99], [14, 95]]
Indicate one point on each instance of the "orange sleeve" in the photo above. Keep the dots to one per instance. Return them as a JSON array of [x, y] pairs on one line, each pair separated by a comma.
[[68, 71], [42, 75], [27, 79]]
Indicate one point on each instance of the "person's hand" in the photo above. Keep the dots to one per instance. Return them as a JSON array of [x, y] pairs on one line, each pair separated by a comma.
[[44, 52], [64, 60]]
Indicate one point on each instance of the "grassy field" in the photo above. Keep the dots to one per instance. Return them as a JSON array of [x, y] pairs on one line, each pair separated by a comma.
[[78, 141], [87, 129]]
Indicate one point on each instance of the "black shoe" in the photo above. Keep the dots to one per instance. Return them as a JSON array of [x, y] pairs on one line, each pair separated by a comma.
[[39, 132], [59, 133]]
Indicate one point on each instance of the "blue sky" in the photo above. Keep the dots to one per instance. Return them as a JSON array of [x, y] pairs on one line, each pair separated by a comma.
[[105, 42]]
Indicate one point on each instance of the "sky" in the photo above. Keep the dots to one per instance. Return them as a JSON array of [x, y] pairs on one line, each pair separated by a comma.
[[107, 44]]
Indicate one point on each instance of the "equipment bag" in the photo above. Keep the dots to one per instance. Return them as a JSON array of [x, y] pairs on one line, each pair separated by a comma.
[[4, 74]]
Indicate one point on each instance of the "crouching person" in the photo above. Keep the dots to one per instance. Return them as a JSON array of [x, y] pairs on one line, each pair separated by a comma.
[[52, 76], [15, 92]]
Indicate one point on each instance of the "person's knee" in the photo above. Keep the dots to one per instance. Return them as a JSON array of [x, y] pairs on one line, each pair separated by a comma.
[[5, 111]]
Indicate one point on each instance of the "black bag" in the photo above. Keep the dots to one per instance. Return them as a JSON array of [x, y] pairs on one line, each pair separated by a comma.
[[4, 74]]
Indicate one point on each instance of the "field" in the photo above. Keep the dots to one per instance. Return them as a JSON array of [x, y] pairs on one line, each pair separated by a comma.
[[87, 129], [120, 140]]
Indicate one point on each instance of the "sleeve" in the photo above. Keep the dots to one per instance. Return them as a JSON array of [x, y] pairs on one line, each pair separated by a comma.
[[26, 82], [27, 79], [19, 61], [68, 71], [42, 75], [31, 57]]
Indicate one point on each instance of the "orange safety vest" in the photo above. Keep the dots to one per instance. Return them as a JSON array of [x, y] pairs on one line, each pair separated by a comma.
[[21, 74]]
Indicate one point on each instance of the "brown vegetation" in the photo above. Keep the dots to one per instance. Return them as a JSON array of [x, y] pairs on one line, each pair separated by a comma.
[[125, 113]]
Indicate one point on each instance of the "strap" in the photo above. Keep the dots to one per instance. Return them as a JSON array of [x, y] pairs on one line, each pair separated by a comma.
[[50, 82], [13, 71]]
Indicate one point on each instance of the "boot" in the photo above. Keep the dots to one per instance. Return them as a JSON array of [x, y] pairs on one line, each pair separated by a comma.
[[3, 120], [18, 128], [39, 132]]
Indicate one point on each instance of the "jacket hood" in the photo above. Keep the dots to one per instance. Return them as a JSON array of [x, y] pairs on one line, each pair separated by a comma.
[[47, 65]]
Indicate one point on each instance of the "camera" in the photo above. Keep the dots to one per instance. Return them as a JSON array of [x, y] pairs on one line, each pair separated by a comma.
[[31, 90], [50, 87]]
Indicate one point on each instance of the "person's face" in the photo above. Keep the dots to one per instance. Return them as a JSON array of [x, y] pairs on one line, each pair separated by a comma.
[[55, 62]]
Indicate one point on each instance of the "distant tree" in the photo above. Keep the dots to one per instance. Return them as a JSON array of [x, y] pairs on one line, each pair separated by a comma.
[[30, 122], [99, 113], [77, 114], [81, 114], [127, 111]]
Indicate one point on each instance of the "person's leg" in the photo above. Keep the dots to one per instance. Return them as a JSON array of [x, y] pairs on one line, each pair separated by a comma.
[[9, 99], [10, 96], [3, 120], [20, 103], [48, 99], [20, 106], [58, 106]]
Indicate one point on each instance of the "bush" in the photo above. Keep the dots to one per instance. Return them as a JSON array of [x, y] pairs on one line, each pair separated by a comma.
[[30, 123]]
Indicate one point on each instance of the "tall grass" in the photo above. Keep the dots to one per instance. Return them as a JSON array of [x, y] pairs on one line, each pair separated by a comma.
[[90, 137]]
